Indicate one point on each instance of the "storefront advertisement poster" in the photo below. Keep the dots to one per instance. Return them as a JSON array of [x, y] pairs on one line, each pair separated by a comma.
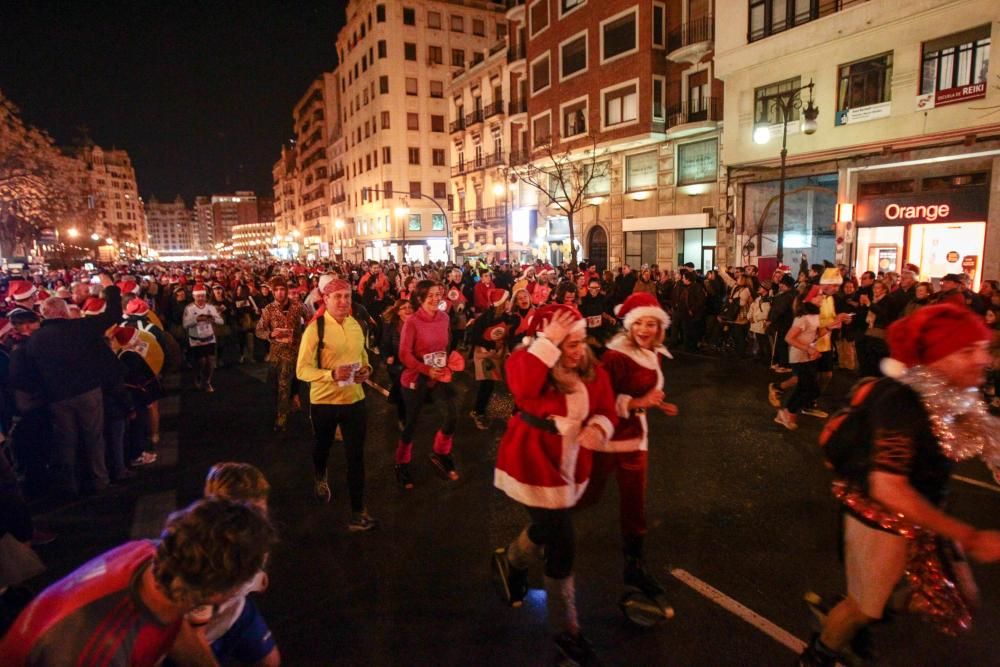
[[863, 114]]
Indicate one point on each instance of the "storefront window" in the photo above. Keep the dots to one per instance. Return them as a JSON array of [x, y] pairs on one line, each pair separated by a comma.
[[810, 214], [414, 222], [640, 171], [697, 162], [698, 248], [940, 249], [640, 248], [437, 222]]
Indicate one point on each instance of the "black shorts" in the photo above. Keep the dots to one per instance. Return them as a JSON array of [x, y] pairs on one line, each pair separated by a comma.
[[202, 351], [825, 362]]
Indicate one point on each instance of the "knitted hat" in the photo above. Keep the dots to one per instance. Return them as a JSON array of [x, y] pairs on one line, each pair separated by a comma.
[[641, 304], [498, 296], [20, 290], [125, 336], [136, 307], [93, 306], [543, 315], [199, 288], [933, 333], [831, 276]]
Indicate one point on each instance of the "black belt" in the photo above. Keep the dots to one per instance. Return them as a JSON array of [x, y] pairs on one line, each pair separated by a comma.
[[545, 424]]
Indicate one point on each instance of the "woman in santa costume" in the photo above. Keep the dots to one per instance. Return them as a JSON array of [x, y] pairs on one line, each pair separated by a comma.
[[489, 333], [632, 361], [565, 409]]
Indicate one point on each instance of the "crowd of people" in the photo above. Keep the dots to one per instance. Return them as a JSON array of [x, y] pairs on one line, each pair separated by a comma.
[[83, 354]]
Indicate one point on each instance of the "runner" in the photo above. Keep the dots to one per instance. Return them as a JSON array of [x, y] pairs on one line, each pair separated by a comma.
[[280, 325], [488, 334], [199, 320]]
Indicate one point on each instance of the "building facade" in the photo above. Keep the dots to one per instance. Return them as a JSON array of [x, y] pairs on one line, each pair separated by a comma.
[[170, 227], [114, 196], [904, 164], [253, 240]]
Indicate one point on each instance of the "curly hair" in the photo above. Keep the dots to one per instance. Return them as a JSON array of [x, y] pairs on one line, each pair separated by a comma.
[[211, 547], [236, 481]]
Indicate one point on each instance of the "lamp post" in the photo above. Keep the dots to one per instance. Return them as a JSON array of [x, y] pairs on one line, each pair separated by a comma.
[[785, 103], [339, 225], [402, 212]]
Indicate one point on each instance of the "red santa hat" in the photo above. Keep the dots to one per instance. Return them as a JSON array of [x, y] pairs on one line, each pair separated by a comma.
[[20, 290], [498, 297], [125, 336], [544, 314], [934, 332], [784, 268], [641, 304], [136, 307], [199, 288], [128, 287], [43, 295], [93, 306]]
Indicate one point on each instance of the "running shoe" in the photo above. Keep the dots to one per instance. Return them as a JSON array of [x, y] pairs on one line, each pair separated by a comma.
[[511, 582], [774, 395], [144, 459], [781, 369], [322, 490], [209, 389], [815, 412], [362, 522], [403, 477], [445, 465], [482, 421], [575, 650], [786, 420]]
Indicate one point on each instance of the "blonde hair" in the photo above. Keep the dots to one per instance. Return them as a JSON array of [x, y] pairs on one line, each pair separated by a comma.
[[236, 481]]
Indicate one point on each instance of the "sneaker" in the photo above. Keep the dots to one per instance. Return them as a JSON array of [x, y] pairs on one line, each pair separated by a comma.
[[785, 419], [818, 654], [445, 465], [403, 477], [815, 412], [362, 522], [322, 490], [781, 369], [575, 650], [144, 459], [774, 395], [482, 422], [637, 577], [512, 583], [209, 389]]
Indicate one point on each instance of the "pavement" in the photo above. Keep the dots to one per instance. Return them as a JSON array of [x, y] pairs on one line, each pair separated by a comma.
[[741, 526]]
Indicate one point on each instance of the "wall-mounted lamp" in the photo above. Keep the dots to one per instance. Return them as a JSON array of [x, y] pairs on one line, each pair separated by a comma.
[[694, 189], [845, 212], [641, 195]]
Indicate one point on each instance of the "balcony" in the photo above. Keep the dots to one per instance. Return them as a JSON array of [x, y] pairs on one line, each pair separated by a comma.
[[475, 117], [812, 11], [480, 216], [516, 53], [694, 117], [494, 108], [337, 175], [518, 158], [482, 162], [456, 125], [517, 106], [691, 41]]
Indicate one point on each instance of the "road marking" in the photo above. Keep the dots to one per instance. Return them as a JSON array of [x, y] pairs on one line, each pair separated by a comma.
[[150, 513], [776, 633], [976, 482], [380, 389]]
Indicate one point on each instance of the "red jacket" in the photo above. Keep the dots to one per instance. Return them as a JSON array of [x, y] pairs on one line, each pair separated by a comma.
[[633, 373]]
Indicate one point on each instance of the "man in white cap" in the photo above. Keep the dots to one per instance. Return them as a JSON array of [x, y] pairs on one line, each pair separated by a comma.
[[199, 318]]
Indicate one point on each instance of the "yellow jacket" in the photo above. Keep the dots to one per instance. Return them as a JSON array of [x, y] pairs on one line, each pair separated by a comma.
[[342, 344]]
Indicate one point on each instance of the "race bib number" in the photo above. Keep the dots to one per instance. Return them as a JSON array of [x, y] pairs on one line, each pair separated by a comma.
[[593, 321], [454, 294], [204, 330], [436, 359], [497, 332]]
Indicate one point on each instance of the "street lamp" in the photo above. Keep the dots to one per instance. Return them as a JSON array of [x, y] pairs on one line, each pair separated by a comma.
[[73, 232], [339, 225], [785, 103]]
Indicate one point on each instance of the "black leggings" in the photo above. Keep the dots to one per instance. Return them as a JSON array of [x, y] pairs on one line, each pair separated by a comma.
[[806, 390], [352, 419], [553, 529], [483, 394], [416, 399]]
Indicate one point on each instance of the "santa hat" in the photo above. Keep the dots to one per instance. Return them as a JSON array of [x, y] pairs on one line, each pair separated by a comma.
[[831, 276], [20, 290], [498, 297], [543, 315], [43, 295], [125, 336], [93, 306], [128, 287], [641, 304], [784, 268], [199, 288], [136, 307], [932, 333]]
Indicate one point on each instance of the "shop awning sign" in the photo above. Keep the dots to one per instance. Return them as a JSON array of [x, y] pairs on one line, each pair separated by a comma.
[[941, 98], [962, 205]]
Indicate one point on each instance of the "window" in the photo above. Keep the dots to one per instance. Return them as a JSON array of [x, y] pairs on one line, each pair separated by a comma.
[[383, 85], [540, 74], [541, 129], [659, 25], [566, 6], [410, 51], [698, 162], [619, 36], [413, 155], [457, 58], [387, 189], [385, 120], [640, 248], [659, 104], [414, 225], [574, 118], [865, 82], [957, 60], [437, 157], [382, 49], [573, 56], [621, 105], [380, 13], [479, 27], [437, 89], [411, 85], [437, 219], [368, 162], [412, 121], [457, 23], [435, 55], [600, 184], [437, 123], [409, 16], [440, 190], [386, 155], [539, 17], [765, 110], [640, 171], [768, 17], [434, 20]]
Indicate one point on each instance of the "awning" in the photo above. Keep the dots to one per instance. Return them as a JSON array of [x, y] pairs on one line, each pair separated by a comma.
[[660, 222]]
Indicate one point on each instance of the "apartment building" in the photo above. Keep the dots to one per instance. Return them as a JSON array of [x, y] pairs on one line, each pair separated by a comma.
[[395, 62], [114, 196], [902, 164], [253, 240], [285, 173], [316, 122], [203, 225], [170, 227]]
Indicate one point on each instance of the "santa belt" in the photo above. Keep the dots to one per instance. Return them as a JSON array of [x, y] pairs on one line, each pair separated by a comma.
[[545, 424]]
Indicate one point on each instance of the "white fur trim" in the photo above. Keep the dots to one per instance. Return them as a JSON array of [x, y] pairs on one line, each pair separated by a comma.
[[892, 368], [548, 497], [545, 350], [604, 424], [621, 405], [645, 358], [647, 311]]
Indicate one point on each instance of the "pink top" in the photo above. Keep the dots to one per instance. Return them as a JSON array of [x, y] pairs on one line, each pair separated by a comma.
[[422, 334]]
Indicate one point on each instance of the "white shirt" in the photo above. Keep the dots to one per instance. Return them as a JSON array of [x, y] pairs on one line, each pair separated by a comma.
[[200, 333], [808, 324]]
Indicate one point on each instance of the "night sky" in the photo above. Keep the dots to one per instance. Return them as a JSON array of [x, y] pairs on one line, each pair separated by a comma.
[[199, 94]]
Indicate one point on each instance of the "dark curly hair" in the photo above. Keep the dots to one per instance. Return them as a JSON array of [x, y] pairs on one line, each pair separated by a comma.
[[211, 547]]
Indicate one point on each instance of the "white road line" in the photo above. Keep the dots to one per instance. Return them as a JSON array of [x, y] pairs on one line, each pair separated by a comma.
[[380, 389], [776, 633], [976, 482]]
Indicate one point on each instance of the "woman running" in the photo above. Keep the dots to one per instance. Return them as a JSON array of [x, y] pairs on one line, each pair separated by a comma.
[[395, 317]]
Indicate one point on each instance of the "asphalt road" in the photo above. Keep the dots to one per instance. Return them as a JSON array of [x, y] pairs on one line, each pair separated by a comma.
[[741, 526]]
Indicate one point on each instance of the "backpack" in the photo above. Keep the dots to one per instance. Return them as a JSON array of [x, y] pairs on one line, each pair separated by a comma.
[[731, 309], [846, 436]]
